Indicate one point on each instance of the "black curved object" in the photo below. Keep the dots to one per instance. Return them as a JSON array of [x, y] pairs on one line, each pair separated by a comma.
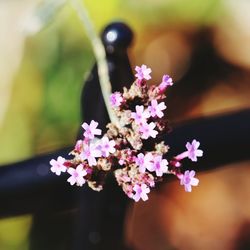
[[117, 38]]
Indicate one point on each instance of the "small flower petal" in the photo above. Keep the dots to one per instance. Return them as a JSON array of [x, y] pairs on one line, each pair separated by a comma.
[[159, 165], [116, 99], [77, 175], [58, 165], [141, 192], [155, 109], [193, 151], [143, 72], [188, 180], [91, 130], [106, 146], [166, 81], [140, 115], [147, 130], [89, 153], [144, 161]]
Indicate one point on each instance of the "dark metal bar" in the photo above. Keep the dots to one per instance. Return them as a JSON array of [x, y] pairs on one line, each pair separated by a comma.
[[224, 139], [27, 186]]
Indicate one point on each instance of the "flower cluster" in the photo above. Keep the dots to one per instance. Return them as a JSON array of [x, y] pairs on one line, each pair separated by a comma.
[[133, 151]]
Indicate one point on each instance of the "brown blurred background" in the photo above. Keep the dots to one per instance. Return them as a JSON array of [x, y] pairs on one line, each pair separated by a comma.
[[45, 56]]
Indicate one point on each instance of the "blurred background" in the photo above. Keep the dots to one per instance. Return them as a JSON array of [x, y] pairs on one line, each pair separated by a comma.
[[45, 57]]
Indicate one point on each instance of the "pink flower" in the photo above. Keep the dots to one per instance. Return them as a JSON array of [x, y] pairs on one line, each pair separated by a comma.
[[91, 129], [193, 151], [141, 192], [58, 165], [188, 180], [147, 130], [140, 115], [89, 153], [144, 161], [77, 175], [156, 109], [78, 146], [106, 146], [160, 166], [116, 99], [143, 72], [166, 81]]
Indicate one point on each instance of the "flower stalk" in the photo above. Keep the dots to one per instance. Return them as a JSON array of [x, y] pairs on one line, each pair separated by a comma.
[[100, 55]]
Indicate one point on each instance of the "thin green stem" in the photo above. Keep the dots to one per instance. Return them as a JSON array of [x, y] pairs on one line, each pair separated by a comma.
[[100, 55]]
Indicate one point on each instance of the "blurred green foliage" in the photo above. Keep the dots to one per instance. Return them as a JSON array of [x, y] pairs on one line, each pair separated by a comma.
[[14, 233]]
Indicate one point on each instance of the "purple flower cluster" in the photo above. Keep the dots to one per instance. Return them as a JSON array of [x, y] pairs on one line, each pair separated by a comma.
[[133, 151]]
